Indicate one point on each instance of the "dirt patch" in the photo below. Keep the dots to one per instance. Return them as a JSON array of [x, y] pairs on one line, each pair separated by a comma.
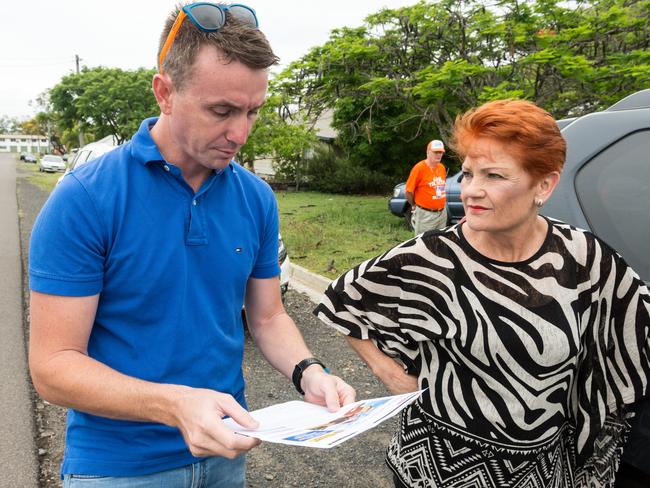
[[356, 464]]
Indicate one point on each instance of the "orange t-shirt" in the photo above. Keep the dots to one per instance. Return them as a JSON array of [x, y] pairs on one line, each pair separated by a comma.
[[428, 185]]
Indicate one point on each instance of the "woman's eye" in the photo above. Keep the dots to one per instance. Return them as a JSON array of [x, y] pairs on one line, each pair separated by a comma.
[[494, 176], [467, 174]]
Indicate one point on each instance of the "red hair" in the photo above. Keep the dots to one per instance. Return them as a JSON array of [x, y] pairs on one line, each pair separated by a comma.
[[523, 128]]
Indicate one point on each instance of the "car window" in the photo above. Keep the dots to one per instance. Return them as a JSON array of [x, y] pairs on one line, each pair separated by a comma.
[[81, 158], [614, 192], [74, 160], [53, 159], [98, 152], [87, 155]]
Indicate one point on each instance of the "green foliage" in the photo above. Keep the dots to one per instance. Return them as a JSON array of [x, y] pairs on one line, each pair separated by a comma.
[[34, 126], [328, 172], [46, 123], [402, 78], [285, 140], [104, 101], [10, 125]]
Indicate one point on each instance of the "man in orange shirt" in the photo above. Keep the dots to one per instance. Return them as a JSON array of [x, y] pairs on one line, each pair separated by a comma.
[[425, 190]]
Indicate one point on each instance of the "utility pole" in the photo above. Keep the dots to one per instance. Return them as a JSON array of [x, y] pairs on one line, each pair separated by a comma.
[[82, 142]]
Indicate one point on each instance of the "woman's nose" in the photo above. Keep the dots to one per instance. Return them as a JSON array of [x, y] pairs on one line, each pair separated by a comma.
[[471, 187]]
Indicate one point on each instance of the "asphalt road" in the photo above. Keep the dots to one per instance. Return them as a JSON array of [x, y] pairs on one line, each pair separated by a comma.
[[17, 449], [359, 463]]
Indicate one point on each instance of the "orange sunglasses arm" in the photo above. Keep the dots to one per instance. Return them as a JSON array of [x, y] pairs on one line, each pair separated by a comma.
[[170, 39]]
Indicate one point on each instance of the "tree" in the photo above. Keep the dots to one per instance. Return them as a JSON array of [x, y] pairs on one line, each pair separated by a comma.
[[284, 138], [45, 122], [33, 126], [401, 79], [9, 125], [105, 101]]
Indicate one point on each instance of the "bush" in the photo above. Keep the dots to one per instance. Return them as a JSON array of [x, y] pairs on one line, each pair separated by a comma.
[[330, 172]]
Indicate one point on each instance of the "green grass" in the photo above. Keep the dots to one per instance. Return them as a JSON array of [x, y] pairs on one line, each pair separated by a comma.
[[45, 181], [329, 234]]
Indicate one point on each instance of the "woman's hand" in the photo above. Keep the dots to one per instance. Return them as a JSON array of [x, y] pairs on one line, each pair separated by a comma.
[[391, 373], [398, 381]]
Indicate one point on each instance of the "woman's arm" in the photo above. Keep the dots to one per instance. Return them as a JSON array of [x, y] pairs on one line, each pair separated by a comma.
[[391, 374]]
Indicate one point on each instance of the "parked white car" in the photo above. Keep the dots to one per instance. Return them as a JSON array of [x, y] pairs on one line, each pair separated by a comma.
[[285, 266], [51, 163], [89, 152]]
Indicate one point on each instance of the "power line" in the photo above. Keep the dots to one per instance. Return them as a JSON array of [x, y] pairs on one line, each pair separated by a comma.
[[32, 66], [36, 59]]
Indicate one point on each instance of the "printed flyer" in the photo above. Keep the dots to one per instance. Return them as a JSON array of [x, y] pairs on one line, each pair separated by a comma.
[[304, 424]]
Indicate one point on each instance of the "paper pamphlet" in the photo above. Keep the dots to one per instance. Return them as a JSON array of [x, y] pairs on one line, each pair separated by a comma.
[[304, 424]]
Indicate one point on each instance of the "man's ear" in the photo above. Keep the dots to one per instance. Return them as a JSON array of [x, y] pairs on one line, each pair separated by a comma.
[[163, 91]]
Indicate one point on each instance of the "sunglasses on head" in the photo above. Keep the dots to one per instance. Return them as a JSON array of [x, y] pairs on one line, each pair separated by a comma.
[[207, 17]]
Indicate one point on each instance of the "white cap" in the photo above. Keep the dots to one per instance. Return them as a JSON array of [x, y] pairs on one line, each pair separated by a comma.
[[436, 145]]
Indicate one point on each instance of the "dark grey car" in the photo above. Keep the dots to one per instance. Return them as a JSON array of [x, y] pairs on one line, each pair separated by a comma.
[[605, 184]]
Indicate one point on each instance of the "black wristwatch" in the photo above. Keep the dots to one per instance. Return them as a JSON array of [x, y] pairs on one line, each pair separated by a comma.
[[296, 377]]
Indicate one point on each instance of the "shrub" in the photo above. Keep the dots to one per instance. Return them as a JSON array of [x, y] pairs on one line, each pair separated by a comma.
[[330, 172]]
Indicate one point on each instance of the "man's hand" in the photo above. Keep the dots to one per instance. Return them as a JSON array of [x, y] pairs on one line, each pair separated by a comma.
[[198, 414], [326, 389]]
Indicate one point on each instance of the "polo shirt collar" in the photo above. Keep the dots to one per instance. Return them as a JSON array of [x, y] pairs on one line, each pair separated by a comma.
[[144, 149]]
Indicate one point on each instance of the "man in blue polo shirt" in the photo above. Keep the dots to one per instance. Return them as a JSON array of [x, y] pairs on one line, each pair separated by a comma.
[[140, 263]]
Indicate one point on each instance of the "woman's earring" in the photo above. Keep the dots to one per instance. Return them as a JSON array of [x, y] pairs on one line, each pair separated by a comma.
[[539, 202]]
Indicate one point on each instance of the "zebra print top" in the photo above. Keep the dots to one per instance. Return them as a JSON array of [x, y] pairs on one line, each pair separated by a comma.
[[528, 365]]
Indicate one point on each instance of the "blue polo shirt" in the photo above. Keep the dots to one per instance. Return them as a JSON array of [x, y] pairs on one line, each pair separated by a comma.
[[171, 268]]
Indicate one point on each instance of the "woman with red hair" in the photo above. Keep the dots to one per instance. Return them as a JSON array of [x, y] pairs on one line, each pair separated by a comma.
[[529, 335]]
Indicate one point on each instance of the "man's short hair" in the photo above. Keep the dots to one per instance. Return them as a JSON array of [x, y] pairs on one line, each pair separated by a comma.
[[235, 41]]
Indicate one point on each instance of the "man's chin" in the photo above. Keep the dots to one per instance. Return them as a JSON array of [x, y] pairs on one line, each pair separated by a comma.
[[217, 163]]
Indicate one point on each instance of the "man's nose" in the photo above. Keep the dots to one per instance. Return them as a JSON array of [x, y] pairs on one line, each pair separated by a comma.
[[239, 129]]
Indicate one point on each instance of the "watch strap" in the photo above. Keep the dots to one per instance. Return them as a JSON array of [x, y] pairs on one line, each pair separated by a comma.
[[296, 377]]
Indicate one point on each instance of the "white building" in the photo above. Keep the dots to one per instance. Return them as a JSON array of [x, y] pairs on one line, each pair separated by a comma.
[[16, 143]]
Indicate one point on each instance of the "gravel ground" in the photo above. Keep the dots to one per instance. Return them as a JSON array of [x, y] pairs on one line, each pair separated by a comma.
[[356, 464]]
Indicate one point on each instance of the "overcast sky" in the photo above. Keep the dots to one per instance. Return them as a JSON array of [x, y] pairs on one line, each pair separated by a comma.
[[40, 39]]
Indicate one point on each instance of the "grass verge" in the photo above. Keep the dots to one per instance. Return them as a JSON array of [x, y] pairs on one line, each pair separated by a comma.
[[329, 234], [45, 181]]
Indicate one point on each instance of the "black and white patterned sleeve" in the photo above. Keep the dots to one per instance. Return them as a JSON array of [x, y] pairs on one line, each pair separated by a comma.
[[379, 300]]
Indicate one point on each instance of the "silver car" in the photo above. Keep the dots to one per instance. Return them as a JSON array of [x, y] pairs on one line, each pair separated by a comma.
[[51, 163]]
